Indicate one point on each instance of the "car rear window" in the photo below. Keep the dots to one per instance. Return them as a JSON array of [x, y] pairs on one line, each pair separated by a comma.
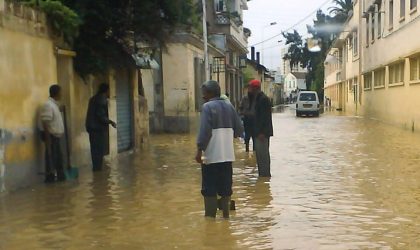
[[311, 97]]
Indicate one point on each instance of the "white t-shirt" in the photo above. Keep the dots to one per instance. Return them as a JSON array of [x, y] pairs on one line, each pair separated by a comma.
[[50, 113]]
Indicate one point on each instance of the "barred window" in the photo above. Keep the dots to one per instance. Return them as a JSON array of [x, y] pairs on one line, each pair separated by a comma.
[[368, 81], [415, 68], [396, 73], [379, 77]]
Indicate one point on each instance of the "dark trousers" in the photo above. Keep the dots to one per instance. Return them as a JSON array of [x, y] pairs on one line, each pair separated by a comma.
[[249, 125], [98, 148], [217, 179], [263, 157], [53, 159]]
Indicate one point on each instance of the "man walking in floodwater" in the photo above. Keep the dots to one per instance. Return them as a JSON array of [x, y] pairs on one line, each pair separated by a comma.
[[97, 125], [51, 126], [220, 124], [263, 128]]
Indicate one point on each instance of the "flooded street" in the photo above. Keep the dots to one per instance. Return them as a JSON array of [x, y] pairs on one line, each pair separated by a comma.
[[338, 183]]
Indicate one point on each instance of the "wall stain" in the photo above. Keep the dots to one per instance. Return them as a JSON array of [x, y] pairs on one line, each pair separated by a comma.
[[5, 137]]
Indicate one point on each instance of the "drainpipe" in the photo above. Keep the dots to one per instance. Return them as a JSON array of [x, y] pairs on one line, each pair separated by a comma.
[[360, 40], [206, 48]]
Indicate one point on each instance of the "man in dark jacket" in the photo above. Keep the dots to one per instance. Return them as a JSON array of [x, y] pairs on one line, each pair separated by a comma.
[[97, 125], [263, 128], [247, 111]]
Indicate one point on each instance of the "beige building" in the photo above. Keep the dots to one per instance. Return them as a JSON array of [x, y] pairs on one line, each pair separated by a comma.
[[254, 70], [376, 72], [227, 33], [174, 91], [31, 60]]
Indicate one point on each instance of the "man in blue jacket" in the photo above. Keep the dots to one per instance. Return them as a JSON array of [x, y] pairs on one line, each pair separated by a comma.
[[220, 124]]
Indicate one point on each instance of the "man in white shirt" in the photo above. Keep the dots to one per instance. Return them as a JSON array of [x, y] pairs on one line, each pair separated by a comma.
[[52, 129], [215, 151]]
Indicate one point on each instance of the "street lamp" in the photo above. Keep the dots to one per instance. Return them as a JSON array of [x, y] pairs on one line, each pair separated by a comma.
[[262, 40]]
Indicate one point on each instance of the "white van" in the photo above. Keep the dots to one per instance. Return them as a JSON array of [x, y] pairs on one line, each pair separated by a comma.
[[307, 103]]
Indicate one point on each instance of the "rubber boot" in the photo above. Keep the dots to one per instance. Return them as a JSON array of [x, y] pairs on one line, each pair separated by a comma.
[[210, 206], [247, 147], [225, 201]]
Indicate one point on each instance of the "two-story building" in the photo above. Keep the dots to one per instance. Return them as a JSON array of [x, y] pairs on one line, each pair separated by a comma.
[[375, 69], [293, 83]]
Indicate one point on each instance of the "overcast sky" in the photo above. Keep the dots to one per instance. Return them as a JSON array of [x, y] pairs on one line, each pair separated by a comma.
[[286, 13]]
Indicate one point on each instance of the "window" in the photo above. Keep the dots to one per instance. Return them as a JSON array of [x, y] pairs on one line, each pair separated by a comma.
[[413, 4], [368, 80], [379, 77], [220, 6], [355, 43], [367, 31], [391, 14], [350, 83], [308, 97], [415, 69], [355, 90], [373, 27], [379, 24], [396, 73], [402, 9]]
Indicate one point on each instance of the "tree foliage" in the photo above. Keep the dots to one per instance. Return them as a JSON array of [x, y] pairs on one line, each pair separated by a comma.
[[324, 31], [342, 9], [111, 28], [64, 21], [104, 33]]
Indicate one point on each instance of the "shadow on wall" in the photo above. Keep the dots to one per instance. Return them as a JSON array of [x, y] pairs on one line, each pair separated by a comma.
[[5, 137]]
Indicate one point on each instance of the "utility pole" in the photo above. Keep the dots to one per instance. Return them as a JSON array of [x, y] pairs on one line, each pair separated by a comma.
[[206, 47]]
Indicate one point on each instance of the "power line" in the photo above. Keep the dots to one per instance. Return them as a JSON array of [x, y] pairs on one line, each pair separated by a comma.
[[304, 36], [293, 26]]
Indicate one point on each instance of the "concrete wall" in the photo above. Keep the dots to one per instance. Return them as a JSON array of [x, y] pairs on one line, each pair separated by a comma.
[[179, 86], [27, 68], [29, 64]]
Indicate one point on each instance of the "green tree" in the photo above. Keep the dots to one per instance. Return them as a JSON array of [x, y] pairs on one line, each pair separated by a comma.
[[324, 30], [342, 9], [111, 28], [104, 33], [295, 54]]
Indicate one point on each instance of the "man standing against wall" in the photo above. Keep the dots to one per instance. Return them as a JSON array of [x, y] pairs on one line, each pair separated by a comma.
[[52, 129], [97, 125], [263, 128], [220, 124]]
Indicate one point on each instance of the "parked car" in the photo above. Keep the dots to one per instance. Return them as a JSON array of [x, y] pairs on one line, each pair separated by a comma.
[[307, 104]]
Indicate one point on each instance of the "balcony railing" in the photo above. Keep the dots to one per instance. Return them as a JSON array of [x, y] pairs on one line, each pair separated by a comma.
[[226, 18], [222, 19]]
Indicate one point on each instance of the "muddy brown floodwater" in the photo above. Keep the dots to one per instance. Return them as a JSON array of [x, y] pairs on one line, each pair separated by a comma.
[[338, 183]]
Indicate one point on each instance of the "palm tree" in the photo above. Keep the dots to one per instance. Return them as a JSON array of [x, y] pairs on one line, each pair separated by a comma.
[[342, 9]]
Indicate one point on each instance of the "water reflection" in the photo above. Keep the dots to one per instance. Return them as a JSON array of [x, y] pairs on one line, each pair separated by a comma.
[[338, 183]]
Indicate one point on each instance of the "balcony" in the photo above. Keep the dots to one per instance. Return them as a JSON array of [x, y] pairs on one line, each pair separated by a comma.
[[231, 25], [226, 18]]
